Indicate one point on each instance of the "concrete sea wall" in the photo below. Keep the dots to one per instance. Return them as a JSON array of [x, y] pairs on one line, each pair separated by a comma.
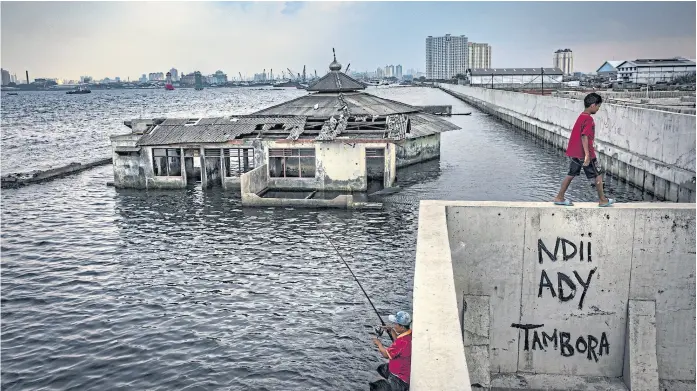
[[553, 297], [651, 149]]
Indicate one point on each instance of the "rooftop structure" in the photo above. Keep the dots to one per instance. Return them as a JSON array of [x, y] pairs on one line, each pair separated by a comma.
[[516, 77], [335, 139]]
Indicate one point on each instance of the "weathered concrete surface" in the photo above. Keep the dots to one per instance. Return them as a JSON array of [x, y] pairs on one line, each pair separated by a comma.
[[438, 354], [419, 150], [572, 298], [254, 182], [651, 149], [640, 364], [544, 382], [475, 324], [19, 180]]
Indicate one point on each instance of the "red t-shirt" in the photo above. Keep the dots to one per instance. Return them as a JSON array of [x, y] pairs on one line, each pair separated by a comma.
[[400, 356], [584, 126]]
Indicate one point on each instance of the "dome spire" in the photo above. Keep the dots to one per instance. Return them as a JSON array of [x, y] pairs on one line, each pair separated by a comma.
[[334, 66]]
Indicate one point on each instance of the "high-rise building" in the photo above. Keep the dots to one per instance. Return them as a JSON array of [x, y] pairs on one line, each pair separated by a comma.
[[478, 55], [380, 73], [398, 72], [175, 74], [5, 77], [143, 79], [564, 60], [446, 56]]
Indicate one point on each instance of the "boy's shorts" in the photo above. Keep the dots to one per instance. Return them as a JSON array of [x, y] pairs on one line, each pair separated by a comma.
[[592, 170]]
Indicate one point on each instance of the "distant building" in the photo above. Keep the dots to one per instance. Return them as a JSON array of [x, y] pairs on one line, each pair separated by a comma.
[[260, 77], [175, 74], [446, 56], [478, 55], [85, 79], [608, 70], [398, 71], [652, 71], [117, 79], [515, 77], [188, 80], [564, 60], [380, 73], [157, 76], [219, 77], [143, 79], [5, 77]]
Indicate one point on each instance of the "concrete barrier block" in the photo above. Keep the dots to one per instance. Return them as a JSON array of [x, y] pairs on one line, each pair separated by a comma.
[[478, 365], [640, 364], [476, 320], [592, 250], [663, 270]]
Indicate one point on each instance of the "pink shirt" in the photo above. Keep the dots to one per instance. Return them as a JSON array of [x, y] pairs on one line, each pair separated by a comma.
[[400, 356]]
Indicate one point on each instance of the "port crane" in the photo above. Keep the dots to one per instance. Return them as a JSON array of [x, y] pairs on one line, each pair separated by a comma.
[[241, 79], [290, 74], [303, 73]]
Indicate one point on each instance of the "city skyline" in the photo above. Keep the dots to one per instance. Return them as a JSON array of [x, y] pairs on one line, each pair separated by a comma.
[[59, 40]]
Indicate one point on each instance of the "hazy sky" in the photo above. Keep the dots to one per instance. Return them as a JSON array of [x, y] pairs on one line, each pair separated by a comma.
[[127, 39]]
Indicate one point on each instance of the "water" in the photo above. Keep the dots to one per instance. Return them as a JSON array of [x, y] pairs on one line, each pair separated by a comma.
[[161, 290]]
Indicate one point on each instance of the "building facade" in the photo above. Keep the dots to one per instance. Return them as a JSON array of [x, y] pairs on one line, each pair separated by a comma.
[[175, 74], [398, 71], [5, 77], [446, 56], [478, 55], [652, 71], [564, 60]]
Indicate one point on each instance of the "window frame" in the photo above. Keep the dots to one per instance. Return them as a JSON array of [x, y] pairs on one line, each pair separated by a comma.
[[228, 155], [293, 155], [169, 155]]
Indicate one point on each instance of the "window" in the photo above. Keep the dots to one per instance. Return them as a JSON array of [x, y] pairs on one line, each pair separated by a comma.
[[167, 162], [292, 163], [238, 161]]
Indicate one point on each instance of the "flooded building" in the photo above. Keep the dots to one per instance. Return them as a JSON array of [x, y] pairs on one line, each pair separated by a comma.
[[335, 139]]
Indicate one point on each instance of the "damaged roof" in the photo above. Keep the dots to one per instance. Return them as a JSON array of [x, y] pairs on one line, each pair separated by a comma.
[[216, 130], [329, 104]]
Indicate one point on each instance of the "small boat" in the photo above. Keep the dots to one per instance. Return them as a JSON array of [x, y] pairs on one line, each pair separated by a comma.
[[12, 93], [169, 87], [80, 90]]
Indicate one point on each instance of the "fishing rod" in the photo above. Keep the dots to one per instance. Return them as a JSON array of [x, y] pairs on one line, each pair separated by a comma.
[[356, 279]]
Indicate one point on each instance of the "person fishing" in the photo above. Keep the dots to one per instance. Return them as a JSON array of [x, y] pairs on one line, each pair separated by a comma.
[[396, 373]]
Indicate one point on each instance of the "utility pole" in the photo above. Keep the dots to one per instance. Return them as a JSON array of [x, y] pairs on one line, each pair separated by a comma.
[[542, 80], [492, 80]]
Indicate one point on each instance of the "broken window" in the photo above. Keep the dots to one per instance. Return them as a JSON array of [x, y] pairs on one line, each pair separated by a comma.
[[167, 162], [238, 161], [292, 163]]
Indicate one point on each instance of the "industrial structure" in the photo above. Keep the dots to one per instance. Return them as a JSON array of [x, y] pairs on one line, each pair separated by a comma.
[[446, 56], [516, 77], [564, 60], [652, 71], [332, 140]]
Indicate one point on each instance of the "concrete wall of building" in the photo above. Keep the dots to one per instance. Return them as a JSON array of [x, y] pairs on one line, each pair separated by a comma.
[[129, 171], [567, 272], [254, 182], [651, 149], [412, 151]]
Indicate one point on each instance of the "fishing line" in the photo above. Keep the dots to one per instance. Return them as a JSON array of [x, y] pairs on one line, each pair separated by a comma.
[[356, 279]]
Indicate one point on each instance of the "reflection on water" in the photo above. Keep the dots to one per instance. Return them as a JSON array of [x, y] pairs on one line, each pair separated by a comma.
[[162, 290]]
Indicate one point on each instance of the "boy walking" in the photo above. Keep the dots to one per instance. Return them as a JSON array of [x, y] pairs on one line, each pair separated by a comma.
[[581, 150]]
